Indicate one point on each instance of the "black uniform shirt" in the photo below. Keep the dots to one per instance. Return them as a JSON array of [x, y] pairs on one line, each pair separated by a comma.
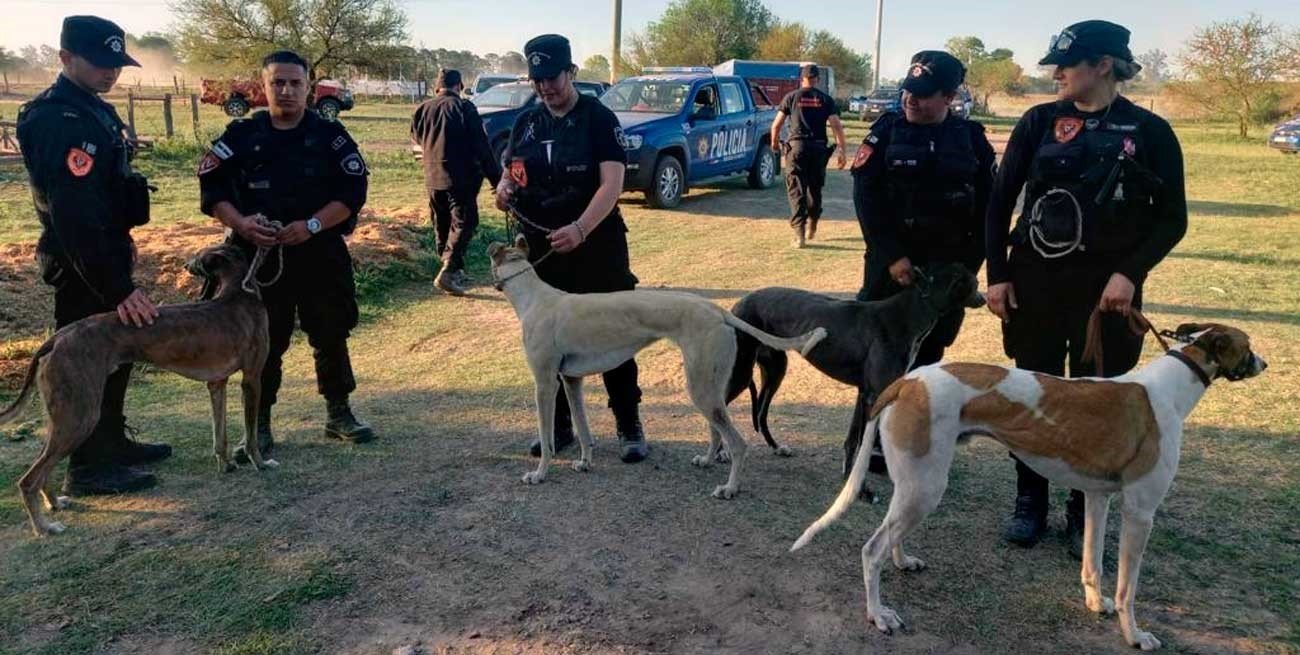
[[287, 175], [455, 147], [1161, 154], [556, 161], [808, 109], [74, 161], [881, 224]]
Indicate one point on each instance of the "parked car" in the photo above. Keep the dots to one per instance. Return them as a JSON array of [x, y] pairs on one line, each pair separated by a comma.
[[488, 80], [857, 104], [1286, 137], [880, 101], [962, 103], [238, 96], [684, 126]]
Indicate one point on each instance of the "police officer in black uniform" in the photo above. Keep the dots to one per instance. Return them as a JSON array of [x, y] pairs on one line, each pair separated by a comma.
[[809, 110], [87, 199], [566, 161], [1104, 203], [456, 158], [293, 167]]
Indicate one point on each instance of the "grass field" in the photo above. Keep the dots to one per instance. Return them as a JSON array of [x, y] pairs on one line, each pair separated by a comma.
[[428, 538]]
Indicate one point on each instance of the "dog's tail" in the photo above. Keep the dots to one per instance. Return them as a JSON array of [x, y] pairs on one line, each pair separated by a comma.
[[12, 410], [848, 493], [802, 343]]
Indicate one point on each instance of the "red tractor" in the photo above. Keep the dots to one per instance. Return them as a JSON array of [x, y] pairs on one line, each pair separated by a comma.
[[238, 97]]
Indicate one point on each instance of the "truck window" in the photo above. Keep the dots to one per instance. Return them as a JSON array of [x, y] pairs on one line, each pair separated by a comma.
[[646, 95], [733, 100], [705, 99]]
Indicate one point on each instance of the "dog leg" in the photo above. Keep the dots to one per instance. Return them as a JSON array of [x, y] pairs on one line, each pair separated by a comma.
[[545, 396], [715, 451], [31, 485], [251, 388], [55, 503], [578, 412], [220, 447], [1096, 507], [1135, 530], [772, 365], [736, 446]]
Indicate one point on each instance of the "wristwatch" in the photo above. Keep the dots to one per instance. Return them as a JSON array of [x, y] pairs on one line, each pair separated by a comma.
[[313, 225]]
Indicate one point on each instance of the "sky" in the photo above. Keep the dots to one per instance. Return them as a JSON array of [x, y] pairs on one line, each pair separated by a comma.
[[495, 26]]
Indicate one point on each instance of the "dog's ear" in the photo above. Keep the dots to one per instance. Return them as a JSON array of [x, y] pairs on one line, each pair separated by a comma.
[[494, 248], [1191, 328], [521, 244]]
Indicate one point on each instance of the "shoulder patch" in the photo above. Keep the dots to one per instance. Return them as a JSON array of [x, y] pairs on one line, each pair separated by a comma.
[[209, 162], [1066, 128], [864, 153], [353, 164], [80, 162], [339, 142], [620, 137]]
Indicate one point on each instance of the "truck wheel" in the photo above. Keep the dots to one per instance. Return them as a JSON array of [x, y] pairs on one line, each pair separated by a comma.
[[328, 109], [766, 166], [235, 106], [667, 185]]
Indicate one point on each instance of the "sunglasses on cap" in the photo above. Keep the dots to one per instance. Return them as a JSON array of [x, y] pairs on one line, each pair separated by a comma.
[[1062, 42]]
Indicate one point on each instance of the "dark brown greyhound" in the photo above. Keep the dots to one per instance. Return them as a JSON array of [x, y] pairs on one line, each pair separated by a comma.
[[207, 340]]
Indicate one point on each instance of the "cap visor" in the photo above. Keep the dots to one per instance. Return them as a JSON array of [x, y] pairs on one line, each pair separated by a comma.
[[111, 60], [921, 86], [1057, 58], [544, 71]]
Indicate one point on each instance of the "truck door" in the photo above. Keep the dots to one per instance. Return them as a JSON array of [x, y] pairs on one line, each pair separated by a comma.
[[706, 125], [738, 131]]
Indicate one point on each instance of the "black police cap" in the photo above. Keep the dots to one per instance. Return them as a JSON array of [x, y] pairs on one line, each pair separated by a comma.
[[99, 41], [933, 71], [1088, 40], [448, 78], [548, 55]]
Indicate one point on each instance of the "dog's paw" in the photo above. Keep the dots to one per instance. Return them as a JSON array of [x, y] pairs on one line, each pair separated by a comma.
[[270, 464], [724, 492], [783, 451], [886, 620], [723, 457], [54, 527], [701, 461], [61, 502], [1144, 640], [533, 477], [910, 563], [1100, 605], [582, 466]]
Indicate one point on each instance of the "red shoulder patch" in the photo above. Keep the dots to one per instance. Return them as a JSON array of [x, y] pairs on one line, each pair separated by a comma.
[[1066, 128], [80, 163], [864, 153], [209, 163], [518, 173]]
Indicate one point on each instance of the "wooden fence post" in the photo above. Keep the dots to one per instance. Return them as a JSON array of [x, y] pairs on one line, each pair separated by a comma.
[[194, 110], [130, 111], [167, 113]]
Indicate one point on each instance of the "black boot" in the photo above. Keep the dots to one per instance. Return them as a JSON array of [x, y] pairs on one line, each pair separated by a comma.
[[92, 470], [343, 425], [265, 441], [563, 427], [1074, 520], [1030, 518], [126, 450], [631, 437]]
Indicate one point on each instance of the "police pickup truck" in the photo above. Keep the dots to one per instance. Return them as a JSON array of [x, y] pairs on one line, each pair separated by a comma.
[[686, 125]]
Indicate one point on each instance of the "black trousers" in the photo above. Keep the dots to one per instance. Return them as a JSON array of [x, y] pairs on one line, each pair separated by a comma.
[[804, 179], [73, 301], [317, 291], [600, 265], [878, 285], [455, 217], [1049, 330]]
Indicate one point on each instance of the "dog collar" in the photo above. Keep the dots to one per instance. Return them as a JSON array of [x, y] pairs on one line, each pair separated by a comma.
[[500, 284], [1191, 363]]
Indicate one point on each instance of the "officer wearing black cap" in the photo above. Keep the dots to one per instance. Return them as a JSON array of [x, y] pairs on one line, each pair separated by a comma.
[[87, 199], [566, 160], [1104, 203], [809, 110], [456, 158], [291, 166]]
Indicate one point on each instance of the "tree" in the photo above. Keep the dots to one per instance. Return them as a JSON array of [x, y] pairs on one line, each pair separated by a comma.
[[1155, 68], [595, 69], [329, 34], [513, 63], [987, 72], [784, 42], [9, 62], [1230, 65], [706, 32], [968, 49], [44, 58], [851, 68]]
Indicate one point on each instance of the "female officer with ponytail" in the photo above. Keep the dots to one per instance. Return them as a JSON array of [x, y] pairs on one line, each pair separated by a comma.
[[1104, 203]]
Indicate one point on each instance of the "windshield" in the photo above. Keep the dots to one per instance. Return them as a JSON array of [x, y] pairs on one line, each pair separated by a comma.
[[504, 95], [647, 96], [884, 94]]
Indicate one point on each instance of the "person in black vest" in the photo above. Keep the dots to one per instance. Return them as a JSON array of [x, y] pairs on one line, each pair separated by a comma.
[[456, 158], [77, 154], [1104, 203], [808, 110], [293, 167], [567, 156]]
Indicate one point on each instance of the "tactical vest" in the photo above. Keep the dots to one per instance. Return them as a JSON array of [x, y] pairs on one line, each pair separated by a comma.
[[1087, 189], [931, 181], [287, 184]]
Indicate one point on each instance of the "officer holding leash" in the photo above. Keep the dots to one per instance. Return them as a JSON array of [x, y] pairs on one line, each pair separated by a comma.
[[1104, 203], [88, 199], [291, 166], [565, 164], [809, 110]]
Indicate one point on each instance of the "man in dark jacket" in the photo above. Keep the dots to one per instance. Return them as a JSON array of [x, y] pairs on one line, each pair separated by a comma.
[[456, 159], [87, 199]]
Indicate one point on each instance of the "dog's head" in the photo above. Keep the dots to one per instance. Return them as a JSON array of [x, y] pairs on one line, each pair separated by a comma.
[[1226, 348], [508, 260], [948, 286], [219, 266]]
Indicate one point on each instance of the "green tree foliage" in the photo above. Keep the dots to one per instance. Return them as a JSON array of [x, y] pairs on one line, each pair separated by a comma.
[[594, 69], [987, 71], [9, 63], [794, 42], [1232, 67], [702, 33], [233, 35]]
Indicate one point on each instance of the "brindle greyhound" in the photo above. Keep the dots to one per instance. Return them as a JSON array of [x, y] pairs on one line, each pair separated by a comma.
[[205, 341]]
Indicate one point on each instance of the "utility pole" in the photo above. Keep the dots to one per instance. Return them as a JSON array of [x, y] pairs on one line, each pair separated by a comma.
[[875, 63], [618, 41]]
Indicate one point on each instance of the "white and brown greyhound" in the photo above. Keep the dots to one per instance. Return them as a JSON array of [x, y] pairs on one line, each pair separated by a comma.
[[1103, 436]]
